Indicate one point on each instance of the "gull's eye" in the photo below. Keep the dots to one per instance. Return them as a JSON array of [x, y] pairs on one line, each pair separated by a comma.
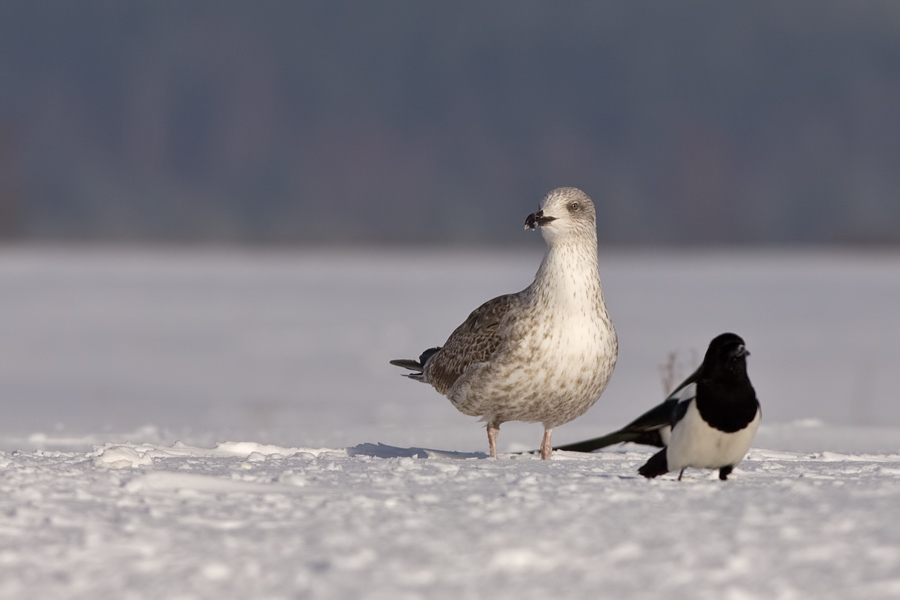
[[574, 206]]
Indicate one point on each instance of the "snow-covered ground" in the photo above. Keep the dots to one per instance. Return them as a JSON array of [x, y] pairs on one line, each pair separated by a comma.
[[124, 373], [251, 521]]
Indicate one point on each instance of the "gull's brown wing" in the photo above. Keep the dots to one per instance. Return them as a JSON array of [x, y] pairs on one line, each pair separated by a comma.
[[475, 341]]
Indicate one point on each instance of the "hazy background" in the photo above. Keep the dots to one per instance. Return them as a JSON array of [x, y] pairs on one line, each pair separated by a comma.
[[207, 208], [336, 122]]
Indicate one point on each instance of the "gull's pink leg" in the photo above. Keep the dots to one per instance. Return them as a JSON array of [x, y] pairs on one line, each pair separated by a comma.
[[492, 439], [546, 447]]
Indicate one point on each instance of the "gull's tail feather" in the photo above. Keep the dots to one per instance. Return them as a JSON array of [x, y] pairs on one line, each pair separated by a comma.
[[407, 363], [646, 438], [416, 365], [656, 466]]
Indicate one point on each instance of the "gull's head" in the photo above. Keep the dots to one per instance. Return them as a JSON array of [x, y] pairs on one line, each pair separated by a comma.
[[564, 212]]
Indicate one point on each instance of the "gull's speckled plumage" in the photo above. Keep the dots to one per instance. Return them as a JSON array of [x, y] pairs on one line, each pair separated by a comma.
[[542, 355]]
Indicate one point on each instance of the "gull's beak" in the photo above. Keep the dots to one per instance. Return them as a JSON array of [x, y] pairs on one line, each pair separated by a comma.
[[538, 220]]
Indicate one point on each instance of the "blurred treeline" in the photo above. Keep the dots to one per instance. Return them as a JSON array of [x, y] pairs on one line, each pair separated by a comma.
[[340, 122]]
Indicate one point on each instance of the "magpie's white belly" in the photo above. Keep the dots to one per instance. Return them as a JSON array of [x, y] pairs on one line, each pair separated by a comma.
[[665, 434], [695, 444]]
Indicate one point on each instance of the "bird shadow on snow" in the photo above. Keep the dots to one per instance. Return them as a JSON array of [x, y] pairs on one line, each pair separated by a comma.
[[380, 450]]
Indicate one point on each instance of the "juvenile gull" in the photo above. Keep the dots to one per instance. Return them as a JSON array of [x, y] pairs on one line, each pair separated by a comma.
[[542, 355]]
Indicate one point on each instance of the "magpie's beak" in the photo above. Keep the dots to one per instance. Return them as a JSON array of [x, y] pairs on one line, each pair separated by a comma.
[[741, 351], [538, 220]]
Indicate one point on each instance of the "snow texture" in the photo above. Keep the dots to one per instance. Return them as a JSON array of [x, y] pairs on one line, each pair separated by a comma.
[[107, 360], [373, 521]]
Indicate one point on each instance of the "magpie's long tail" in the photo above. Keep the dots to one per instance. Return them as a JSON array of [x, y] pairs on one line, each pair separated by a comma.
[[647, 438], [656, 466]]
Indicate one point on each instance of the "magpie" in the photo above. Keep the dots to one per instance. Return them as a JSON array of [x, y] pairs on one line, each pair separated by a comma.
[[708, 422]]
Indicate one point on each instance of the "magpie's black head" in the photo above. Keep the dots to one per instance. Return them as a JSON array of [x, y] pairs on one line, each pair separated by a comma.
[[726, 352], [726, 399]]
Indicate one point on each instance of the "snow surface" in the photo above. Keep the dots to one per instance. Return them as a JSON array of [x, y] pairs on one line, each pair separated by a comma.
[[373, 521], [121, 373]]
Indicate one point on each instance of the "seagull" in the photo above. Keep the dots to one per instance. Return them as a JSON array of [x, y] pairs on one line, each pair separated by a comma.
[[542, 355], [708, 422]]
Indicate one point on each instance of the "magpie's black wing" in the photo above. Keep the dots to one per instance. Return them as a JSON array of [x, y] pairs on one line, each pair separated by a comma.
[[680, 410], [692, 379], [683, 395], [649, 429]]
